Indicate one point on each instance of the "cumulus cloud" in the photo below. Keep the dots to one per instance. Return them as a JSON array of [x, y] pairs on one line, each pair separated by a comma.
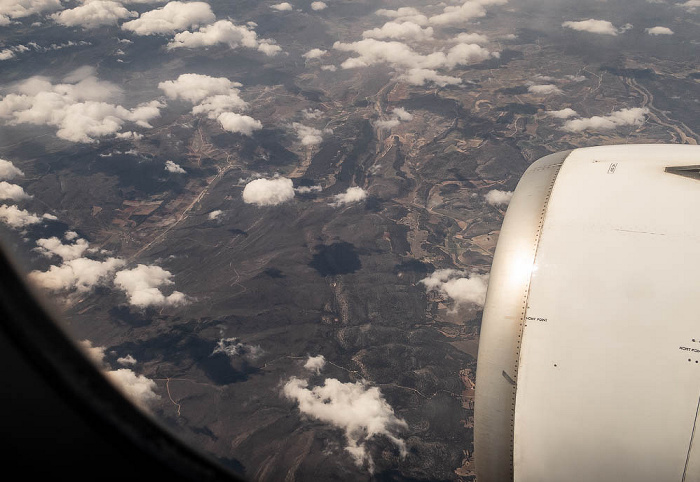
[[496, 197], [170, 166], [96, 354], [563, 113], [401, 31], [268, 192], [309, 136], [14, 9], [224, 32], [398, 114], [623, 117], [81, 274], [233, 347], [13, 192], [196, 87], [19, 218], [242, 124], [142, 286], [352, 195], [658, 30], [318, 6], [216, 214], [315, 363], [94, 14], [602, 27], [458, 14], [418, 67], [308, 189], [78, 107], [402, 114], [173, 17], [359, 410], [282, 7], [471, 38], [421, 76], [544, 89], [404, 14], [690, 5], [137, 388], [126, 360], [329, 68], [314, 54], [54, 247], [458, 285], [214, 96]]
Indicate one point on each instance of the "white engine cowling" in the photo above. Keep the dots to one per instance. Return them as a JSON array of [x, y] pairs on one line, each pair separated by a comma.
[[589, 357]]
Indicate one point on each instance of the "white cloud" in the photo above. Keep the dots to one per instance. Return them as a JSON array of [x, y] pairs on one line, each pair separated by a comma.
[[421, 76], [216, 214], [602, 27], [404, 14], [24, 8], [214, 96], [419, 67], [309, 136], [563, 113], [242, 124], [126, 360], [315, 364], [402, 114], [70, 235], [314, 54], [12, 191], [6, 54], [54, 247], [373, 51], [170, 166], [544, 89], [658, 30], [496, 197], [468, 10], [282, 7], [471, 38], [268, 192], [78, 107], [224, 32], [94, 14], [690, 5], [351, 195], [137, 388], [81, 274], [398, 114], [318, 6], [173, 17], [142, 286], [96, 354], [576, 78], [19, 218], [623, 117], [401, 31], [329, 68], [356, 408], [308, 189], [233, 347], [459, 285]]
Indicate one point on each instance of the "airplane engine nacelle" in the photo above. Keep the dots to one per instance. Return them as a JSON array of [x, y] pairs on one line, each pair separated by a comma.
[[589, 357]]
